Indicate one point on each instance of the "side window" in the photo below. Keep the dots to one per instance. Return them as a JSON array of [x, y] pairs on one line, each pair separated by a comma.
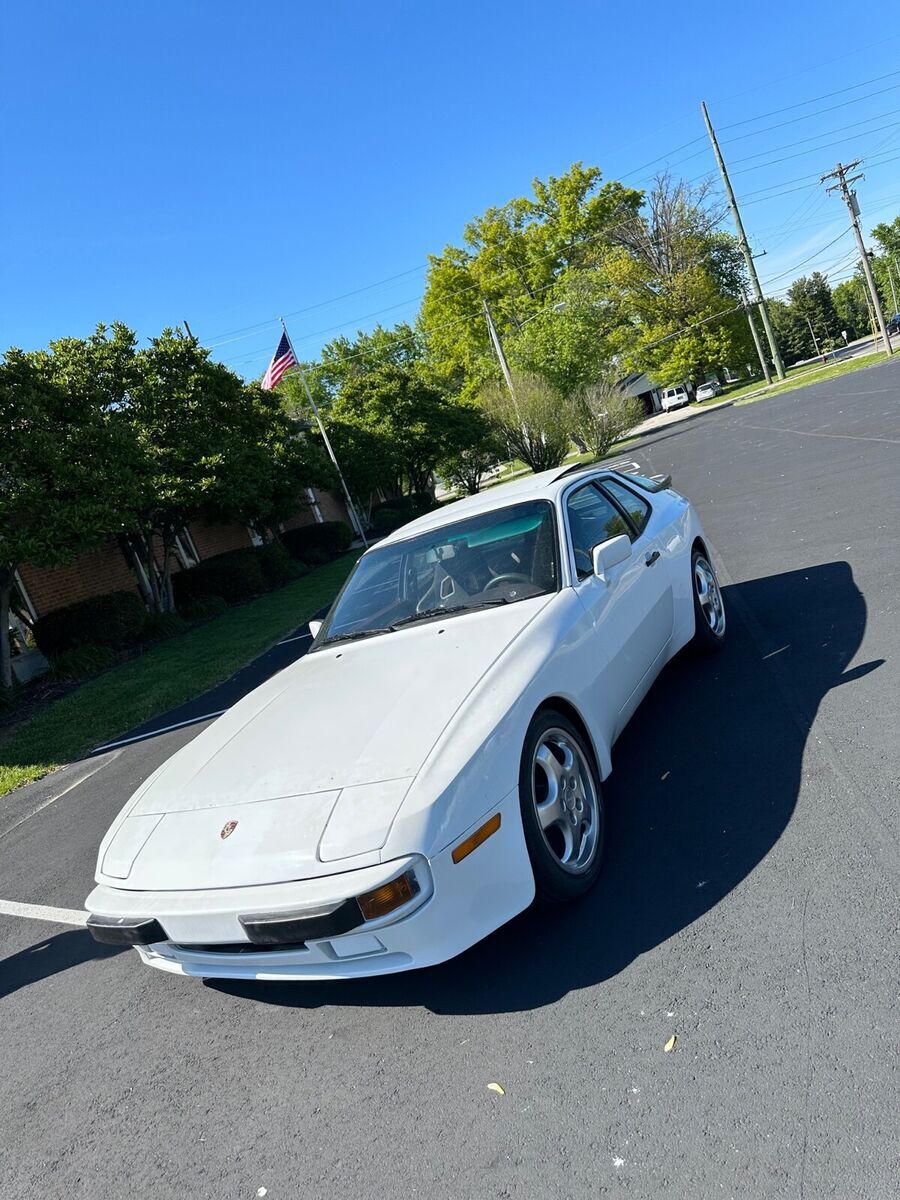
[[592, 518], [638, 510]]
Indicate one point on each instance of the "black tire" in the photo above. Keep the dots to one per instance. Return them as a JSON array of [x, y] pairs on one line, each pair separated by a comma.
[[555, 883], [709, 611]]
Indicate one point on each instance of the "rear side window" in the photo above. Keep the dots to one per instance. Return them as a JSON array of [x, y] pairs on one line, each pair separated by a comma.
[[638, 510]]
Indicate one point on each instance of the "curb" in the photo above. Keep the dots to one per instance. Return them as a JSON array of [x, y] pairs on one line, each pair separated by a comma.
[[681, 421]]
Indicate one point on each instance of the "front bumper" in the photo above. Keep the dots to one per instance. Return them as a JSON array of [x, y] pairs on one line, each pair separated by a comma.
[[458, 905]]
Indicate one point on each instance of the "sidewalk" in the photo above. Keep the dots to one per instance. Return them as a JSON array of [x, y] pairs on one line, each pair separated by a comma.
[[663, 420]]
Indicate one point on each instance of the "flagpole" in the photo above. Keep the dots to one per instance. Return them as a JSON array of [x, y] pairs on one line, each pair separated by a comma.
[[354, 517]]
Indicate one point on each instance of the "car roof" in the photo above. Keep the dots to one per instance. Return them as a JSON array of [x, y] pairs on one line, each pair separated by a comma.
[[545, 485]]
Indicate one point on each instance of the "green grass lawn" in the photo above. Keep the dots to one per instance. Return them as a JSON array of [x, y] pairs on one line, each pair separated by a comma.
[[166, 675]]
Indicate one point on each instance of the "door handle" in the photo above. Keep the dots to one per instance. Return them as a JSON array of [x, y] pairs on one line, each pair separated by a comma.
[[651, 558]]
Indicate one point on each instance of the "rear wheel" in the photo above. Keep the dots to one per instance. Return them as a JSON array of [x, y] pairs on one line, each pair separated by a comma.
[[709, 607], [562, 808]]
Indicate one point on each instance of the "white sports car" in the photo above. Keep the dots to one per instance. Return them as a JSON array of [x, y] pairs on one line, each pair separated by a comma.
[[436, 759]]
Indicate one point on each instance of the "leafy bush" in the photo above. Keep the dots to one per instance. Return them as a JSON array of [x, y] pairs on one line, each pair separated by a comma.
[[329, 538], [391, 514], [203, 608], [234, 576], [276, 564], [386, 520], [81, 661], [606, 414], [115, 619], [159, 626]]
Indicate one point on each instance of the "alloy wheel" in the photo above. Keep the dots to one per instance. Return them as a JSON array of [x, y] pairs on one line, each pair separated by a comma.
[[566, 800], [708, 595]]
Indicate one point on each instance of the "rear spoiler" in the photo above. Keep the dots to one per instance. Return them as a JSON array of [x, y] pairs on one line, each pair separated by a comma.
[[655, 483]]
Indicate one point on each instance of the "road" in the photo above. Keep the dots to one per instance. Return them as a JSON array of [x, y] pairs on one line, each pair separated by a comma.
[[749, 906]]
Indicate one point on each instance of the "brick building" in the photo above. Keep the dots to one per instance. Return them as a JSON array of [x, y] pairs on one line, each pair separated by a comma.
[[116, 567]]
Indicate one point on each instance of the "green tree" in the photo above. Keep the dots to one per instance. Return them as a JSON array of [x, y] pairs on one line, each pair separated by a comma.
[[887, 234], [574, 338], [514, 257], [270, 461], [208, 447], [64, 458], [851, 307], [536, 425], [396, 419], [810, 299], [472, 450], [680, 280]]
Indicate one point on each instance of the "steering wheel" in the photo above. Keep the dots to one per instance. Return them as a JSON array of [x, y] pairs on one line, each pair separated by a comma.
[[507, 577]]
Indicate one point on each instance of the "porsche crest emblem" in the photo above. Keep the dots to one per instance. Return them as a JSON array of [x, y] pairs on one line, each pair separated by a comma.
[[228, 829]]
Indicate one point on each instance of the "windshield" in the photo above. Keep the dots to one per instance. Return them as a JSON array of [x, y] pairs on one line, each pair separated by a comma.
[[495, 558]]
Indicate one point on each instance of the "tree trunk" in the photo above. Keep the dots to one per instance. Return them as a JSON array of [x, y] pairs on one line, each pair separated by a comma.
[[167, 595], [152, 572], [6, 584]]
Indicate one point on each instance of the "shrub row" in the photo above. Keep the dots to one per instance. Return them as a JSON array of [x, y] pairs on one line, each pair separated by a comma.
[[113, 620], [82, 638], [317, 544], [391, 514]]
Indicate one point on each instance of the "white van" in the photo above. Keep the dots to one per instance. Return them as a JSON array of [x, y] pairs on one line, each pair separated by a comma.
[[674, 397]]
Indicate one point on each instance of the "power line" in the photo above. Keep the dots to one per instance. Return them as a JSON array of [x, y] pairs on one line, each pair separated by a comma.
[[808, 116], [786, 192], [814, 100], [823, 133], [213, 341], [803, 261]]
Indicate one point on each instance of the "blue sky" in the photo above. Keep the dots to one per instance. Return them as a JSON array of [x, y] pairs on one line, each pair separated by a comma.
[[228, 162]]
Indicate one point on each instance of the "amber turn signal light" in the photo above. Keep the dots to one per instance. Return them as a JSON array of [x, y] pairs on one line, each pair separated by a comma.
[[474, 840], [383, 900]]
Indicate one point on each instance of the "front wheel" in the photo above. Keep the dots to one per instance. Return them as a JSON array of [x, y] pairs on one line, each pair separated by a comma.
[[562, 808], [709, 607]]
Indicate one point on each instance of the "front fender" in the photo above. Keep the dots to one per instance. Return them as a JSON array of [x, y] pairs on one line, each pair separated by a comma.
[[475, 763]]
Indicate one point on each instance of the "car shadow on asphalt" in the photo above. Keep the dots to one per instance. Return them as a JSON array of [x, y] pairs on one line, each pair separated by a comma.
[[50, 956], [705, 780]]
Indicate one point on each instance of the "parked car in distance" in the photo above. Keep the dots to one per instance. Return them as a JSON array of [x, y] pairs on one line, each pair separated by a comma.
[[707, 391], [893, 325], [674, 397], [436, 760]]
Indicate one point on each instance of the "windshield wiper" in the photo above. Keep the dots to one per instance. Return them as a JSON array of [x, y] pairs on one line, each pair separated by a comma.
[[359, 633], [427, 613]]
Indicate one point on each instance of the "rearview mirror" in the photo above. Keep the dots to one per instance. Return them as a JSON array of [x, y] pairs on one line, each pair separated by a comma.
[[314, 627], [609, 553]]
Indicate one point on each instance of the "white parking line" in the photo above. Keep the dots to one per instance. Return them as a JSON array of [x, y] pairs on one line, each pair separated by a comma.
[[44, 912], [58, 796], [299, 638], [140, 737]]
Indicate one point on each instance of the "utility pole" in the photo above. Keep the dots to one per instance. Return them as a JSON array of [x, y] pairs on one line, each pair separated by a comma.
[[501, 357], [891, 281], [763, 361], [745, 247], [190, 335], [813, 334], [843, 186]]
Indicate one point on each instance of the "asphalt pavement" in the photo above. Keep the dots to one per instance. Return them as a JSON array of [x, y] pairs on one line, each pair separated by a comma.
[[748, 906]]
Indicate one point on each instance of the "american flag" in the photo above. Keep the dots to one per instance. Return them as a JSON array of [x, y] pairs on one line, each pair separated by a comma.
[[282, 360]]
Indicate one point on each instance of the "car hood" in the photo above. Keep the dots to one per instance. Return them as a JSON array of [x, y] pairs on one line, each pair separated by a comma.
[[313, 766]]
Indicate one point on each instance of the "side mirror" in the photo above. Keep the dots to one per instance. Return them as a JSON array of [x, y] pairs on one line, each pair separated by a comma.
[[314, 627], [609, 553]]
